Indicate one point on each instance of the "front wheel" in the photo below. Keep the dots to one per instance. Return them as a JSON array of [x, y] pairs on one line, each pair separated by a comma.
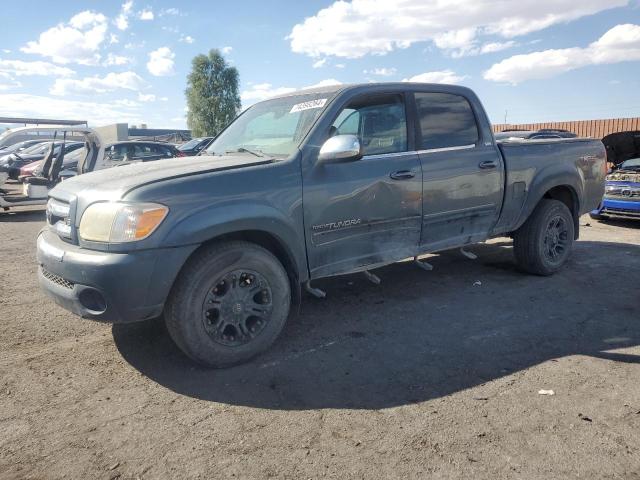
[[229, 303], [543, 244]]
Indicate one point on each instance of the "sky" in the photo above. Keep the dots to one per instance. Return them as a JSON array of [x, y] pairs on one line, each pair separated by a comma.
[[115, 61]]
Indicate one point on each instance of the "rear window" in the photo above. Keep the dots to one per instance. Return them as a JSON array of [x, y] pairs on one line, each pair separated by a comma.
[[446, 120]]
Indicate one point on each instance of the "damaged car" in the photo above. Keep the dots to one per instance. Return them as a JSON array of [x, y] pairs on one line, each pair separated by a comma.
[[622, 188]]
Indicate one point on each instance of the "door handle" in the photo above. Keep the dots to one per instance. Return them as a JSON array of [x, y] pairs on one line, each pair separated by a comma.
[[402, 175], [487, 164]]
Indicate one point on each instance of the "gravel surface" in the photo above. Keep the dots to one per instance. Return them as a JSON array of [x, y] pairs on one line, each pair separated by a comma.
[[428, 375]]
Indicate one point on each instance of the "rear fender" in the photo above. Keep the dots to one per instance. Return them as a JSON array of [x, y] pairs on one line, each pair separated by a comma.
[[543, 183]]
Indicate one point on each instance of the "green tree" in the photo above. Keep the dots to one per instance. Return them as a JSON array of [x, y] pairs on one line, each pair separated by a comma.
[[212, 94]]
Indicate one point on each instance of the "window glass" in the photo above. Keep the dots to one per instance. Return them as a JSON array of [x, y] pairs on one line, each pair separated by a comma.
[[162, 151], [142, 150], [446, 120], [379, 122], [117, 152], [274, 127]]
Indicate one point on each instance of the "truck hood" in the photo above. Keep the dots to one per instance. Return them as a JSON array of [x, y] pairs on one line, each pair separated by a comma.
[[113, 183]]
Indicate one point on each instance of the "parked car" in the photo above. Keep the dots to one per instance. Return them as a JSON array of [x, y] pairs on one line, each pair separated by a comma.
[[14, 162], [195, 145], [29, 168], [70, 162], [542, 134], [312, 184], [134, 151], [622, 192], [18, 147]]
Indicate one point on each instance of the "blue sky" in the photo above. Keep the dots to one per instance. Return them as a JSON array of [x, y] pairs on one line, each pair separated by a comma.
[[128, 61]]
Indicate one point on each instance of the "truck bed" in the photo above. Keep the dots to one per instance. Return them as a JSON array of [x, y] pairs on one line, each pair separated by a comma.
[[530, 164]]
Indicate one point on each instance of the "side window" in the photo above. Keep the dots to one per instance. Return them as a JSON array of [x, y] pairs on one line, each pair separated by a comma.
[[446, 120], [379, 121], [116, 152], [142, 151]]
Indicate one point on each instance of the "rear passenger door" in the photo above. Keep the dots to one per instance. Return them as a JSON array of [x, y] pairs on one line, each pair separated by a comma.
[[462, 172]]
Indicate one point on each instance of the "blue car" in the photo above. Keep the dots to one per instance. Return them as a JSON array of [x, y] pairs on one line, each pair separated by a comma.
[[622, 192]]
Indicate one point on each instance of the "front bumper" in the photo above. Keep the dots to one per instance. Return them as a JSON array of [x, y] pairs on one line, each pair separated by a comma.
[[623, 208], [104, 286]]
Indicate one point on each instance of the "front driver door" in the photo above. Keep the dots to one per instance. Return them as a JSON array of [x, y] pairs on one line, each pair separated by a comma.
[[365, 212]]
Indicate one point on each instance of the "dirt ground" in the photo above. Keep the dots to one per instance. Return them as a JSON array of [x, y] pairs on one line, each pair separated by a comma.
[[428, 375]]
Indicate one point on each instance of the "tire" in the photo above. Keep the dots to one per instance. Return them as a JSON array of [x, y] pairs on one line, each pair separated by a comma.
[[229, 303], [543, 244]]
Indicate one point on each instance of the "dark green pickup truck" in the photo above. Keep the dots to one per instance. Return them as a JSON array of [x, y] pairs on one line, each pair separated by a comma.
[[316, 183]]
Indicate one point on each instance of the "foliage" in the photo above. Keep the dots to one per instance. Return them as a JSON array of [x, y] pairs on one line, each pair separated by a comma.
[[212, 94]]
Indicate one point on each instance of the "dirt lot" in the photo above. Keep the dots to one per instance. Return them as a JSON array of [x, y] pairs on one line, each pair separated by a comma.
[[431, 374]]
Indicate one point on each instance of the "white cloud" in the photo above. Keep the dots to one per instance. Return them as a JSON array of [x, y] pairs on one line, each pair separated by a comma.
[[7, 82], [146, 14], [113, 39], [122, 20], [93, 85], [98, 113], [226, 50], [383, 72], [319, 63], [78, 41], [117, 60], [442, 76], [161, 62], [150, 97], [619, 44], [186, 39], [262, 91], [324, 83], [493, 47], [170, 11], [21, 68], [361, 27]]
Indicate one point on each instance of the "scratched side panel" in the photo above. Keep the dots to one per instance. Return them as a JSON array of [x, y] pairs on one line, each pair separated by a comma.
[[356, 215]]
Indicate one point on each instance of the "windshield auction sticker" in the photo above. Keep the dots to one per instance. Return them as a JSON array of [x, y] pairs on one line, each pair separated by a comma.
[[298, 107]]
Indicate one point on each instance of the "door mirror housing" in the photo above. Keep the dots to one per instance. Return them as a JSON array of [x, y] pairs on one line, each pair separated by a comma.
[[341, 148]]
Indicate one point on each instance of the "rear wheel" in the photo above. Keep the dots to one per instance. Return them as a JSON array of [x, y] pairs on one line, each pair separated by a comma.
[[543, 244], [229, 304]]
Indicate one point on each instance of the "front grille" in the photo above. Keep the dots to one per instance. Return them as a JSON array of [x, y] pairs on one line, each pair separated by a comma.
[[622, 191], [57, 279], [621, 211]]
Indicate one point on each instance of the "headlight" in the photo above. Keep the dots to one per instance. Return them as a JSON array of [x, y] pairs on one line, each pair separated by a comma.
[[121, 222]]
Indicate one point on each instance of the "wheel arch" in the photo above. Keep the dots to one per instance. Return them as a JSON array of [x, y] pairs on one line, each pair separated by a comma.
[[565, 190], [269, 241], [567, 195]]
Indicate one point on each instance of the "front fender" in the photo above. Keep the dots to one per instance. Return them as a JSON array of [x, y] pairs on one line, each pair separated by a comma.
[[223, 219]]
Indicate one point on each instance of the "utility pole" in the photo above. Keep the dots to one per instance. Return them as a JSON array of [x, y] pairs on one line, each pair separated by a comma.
[[505, 117]]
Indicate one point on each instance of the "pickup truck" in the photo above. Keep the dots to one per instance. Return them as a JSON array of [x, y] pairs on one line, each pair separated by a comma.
[[315, 183]]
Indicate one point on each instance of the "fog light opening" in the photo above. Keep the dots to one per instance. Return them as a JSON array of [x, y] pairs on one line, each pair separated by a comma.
[[93, 301]]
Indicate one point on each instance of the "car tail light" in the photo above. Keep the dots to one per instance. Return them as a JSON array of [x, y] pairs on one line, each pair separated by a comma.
[[181, 154]]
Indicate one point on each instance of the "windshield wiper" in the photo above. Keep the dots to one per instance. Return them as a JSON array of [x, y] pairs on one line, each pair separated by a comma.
[[257, 153]]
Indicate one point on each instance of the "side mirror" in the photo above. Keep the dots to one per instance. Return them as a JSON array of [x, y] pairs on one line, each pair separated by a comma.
[[341, 148]]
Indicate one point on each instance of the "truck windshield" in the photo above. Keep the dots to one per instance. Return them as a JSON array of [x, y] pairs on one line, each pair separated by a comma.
[[272, 128]]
